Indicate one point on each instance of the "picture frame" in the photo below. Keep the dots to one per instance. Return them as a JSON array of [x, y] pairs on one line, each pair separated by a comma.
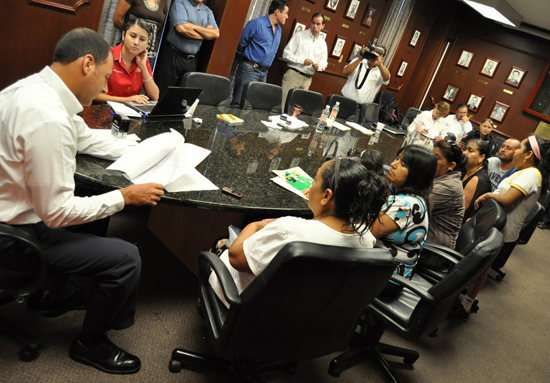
[[324, 34], [332, 5], [369, 16], [499, 111], [451, 91], [474, 102], [414, 38], [351, 10], [402, 68], [355, 51], [338, 46], [489, 67], [465, 59], [297, 26], [515, 77]]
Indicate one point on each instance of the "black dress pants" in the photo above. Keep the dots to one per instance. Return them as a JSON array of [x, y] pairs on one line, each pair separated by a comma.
[[114, 266], [171, 66]]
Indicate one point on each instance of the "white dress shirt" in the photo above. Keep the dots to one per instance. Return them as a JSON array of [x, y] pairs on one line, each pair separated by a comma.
[[425, 120], [40, 135], [304, 46], [367, 92], [457, 127]]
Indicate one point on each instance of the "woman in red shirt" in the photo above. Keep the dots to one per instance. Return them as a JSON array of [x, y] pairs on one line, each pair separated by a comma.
[[131, 69]]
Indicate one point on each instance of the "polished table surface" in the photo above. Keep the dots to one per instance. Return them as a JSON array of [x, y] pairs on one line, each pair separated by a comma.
[[242, 158]]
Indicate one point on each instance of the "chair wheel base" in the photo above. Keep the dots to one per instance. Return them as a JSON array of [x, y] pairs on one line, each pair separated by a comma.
[[28, 354], [174, 366]]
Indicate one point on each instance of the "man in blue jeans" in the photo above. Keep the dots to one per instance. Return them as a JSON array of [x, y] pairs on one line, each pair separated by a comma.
[[258, 46]]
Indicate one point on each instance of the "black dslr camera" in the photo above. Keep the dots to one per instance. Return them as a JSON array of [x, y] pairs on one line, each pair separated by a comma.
[[371, 49]]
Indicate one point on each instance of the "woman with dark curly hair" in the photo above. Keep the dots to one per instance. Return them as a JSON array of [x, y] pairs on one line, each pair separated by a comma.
[[475, 178]]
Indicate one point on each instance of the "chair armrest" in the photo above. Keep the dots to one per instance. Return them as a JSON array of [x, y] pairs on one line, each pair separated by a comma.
[[444, 252], [209, 261], [404, 282], [22, 292]]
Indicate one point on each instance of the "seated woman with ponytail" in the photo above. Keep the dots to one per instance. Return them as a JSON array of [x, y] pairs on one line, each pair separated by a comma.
[[517, 194], [345, 199]]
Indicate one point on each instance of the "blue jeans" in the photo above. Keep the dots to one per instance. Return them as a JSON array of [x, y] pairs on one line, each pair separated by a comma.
[[245, 73]]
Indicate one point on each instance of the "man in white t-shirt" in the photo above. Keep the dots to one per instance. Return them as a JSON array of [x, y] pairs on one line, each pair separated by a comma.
[[459, 124], [498, 166], [366, 77]]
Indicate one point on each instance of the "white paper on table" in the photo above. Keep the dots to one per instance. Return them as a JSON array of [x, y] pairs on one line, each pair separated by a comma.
[[190, 181], [120, 108], [360, 128], [180, 161], [147, 154], [271, 124], [341, 126], [283, 183]]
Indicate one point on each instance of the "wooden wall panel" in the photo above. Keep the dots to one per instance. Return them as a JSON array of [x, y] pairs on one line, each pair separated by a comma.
[[35, 28]]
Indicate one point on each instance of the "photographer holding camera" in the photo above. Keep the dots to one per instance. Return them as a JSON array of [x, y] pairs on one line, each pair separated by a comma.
[[366, 74]]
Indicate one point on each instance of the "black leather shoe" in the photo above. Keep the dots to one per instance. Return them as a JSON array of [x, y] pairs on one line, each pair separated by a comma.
[[51, 306], [107, 357]]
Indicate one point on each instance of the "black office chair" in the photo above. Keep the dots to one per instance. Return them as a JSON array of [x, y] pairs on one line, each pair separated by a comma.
[[499, 141], [409, 117], [369, 115], [19, 281], [386, 100], [348, 107], [417, 310], [311, 102], [527, 229], [261, 95], [305, 304], [490, 215], [216, 88]]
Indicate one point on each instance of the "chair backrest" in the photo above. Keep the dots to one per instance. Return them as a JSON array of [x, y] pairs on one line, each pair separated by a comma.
[[369, 114], [307, 302], [348, 107], [311, 102], [409, 117], [216, 88], [386, 100], [22, 265], [261, 95], [499, 141], [491, 214], [530, 224]]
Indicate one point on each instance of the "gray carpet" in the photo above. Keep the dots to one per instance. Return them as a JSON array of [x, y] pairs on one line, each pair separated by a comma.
[[507, 341]]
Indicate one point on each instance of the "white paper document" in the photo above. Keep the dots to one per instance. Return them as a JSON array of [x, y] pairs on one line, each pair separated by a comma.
[[120, 108], [165, 159], [360, 128]]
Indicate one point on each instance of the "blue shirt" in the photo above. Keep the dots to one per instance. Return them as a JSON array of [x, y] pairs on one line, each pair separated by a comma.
[[258, 43], [183, 12]]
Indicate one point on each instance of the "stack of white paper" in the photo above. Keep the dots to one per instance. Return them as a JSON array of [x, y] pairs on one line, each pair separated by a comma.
[[294, 122], [167, 160], [120, 108]]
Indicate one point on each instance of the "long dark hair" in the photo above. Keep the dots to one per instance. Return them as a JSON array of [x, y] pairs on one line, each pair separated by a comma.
[[452, 153], [359, 195], [422, 165], [372, 160], [544, 163], [483, 148]]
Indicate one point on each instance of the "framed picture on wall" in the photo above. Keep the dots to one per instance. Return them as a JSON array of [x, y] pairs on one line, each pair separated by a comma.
[[499, 111], [515, 77], [465, 59], [489, 68], [351, 11], [451, 92], [323, 34], [369, 16], [474, 102], [355, 51], [414, 38], [402, 69], [297, 27], [332, 5], [338, 46]]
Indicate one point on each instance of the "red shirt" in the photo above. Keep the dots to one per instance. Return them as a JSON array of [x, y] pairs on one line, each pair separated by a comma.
[[123, 83]]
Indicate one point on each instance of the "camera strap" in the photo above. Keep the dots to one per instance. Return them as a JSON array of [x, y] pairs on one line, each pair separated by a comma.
[[357, 85]]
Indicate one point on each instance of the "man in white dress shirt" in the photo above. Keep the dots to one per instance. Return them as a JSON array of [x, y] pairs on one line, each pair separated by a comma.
[[366, 77], [432, 122], [40, 135], [306, 53], [459, 124]]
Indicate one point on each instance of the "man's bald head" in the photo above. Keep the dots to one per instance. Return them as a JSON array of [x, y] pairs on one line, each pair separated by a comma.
[[507, 150]]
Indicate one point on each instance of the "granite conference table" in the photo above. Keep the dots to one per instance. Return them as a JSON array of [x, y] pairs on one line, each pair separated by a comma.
[[242, 157]]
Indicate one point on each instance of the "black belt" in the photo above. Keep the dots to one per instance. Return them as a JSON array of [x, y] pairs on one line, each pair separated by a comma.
[[256, 66], [302, 73], [184, 55]]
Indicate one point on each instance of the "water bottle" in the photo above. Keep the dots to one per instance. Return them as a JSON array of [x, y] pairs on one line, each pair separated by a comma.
[[319, 129], [324, 137], [323, 119], [333, 114]]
